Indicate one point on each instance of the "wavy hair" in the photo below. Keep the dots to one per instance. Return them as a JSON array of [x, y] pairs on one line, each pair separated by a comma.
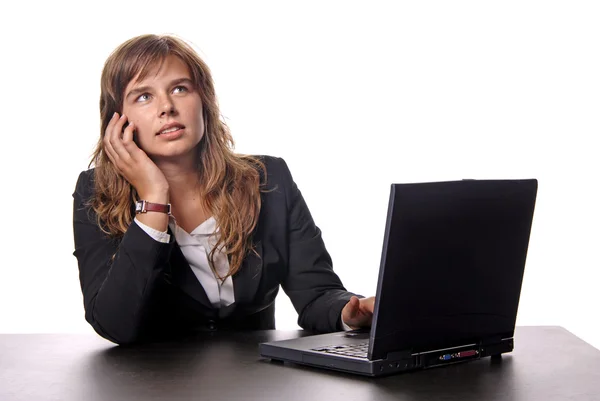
[[231, 183]]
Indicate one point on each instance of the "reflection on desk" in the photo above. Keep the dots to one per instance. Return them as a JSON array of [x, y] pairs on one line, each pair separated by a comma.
[[548, 363]]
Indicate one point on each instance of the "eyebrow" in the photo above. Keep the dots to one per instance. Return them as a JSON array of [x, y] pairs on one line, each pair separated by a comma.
[[142, 89]]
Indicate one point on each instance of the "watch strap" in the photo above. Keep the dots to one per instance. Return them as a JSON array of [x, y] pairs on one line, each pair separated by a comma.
[[143, 206]]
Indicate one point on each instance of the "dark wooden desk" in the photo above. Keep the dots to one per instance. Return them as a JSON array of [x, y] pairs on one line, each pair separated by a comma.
[[548, 363]]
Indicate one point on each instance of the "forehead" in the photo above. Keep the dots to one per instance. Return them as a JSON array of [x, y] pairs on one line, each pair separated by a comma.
[[162, 71]]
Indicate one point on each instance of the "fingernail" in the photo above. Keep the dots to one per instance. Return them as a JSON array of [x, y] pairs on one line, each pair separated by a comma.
[[114, 114]]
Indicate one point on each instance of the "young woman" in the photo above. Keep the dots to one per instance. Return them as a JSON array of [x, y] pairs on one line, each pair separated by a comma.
[[174, 232]]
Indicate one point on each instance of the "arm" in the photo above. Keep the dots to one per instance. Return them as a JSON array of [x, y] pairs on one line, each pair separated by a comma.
[[115, 290], [315, 290]]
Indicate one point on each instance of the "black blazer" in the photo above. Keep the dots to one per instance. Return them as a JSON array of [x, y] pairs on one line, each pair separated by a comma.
[[148, 290]]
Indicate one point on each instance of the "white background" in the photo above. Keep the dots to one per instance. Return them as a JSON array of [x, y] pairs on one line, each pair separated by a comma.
[[353, 96]]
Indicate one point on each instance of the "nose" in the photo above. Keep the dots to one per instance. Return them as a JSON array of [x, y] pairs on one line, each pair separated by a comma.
[[167, 107]]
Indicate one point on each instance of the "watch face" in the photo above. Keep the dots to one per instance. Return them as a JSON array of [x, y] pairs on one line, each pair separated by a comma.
[[138, 206]]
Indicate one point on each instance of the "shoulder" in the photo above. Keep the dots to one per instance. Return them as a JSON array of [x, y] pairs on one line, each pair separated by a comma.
[[273, 164], [275, 167], [279, 186], [267, 160], [85, 184]]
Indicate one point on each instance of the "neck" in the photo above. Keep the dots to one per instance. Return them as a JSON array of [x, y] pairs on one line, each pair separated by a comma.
[[182, 176]]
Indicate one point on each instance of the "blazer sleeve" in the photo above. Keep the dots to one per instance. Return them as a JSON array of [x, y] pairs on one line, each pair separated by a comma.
[[116, 275], [315, 290]]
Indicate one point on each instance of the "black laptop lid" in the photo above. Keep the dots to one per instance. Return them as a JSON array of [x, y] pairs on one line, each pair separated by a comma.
[[452, 264]]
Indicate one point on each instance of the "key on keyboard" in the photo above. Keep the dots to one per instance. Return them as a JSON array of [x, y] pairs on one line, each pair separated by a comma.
[[354, 350]]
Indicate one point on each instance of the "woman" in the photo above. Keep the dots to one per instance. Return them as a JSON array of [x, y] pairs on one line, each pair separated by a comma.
[[173, 231]]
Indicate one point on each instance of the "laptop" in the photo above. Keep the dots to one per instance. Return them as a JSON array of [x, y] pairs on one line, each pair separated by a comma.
[[449, 281]]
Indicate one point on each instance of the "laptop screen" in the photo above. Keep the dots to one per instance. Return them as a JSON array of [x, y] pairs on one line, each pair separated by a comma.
[[452, 264]]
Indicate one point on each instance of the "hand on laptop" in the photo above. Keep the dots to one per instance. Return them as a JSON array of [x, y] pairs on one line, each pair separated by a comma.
[[358, 312]]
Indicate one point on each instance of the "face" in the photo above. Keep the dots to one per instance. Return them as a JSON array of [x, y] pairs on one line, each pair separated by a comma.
[[166, 111]]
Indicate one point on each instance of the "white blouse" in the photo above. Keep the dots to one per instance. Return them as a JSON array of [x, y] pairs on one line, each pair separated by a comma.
[[196, 246]]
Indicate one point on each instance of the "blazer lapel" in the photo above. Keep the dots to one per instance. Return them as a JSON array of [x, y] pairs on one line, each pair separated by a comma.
[[184, 277], [246, 280]]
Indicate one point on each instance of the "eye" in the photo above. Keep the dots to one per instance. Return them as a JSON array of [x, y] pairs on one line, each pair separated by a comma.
[[143, 97], [180, 89]]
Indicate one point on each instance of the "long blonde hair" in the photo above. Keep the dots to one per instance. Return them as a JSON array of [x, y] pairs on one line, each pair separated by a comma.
[[231, 183]]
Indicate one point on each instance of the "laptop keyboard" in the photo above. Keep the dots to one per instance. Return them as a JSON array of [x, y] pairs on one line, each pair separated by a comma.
[[354, 350]]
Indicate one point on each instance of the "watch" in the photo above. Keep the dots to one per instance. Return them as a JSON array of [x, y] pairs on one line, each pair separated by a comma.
[[143, 206]]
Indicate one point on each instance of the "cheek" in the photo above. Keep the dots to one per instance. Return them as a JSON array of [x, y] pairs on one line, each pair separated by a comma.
[[142, 131], [142, 135], [141, 127]]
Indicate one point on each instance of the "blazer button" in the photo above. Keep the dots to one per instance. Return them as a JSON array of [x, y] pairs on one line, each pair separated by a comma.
[[211, 325]]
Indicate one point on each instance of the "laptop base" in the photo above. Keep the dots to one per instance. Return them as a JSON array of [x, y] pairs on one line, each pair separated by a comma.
[[298, 351]]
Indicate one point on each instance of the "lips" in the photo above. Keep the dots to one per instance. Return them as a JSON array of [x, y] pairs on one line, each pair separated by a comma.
[[168, 128]]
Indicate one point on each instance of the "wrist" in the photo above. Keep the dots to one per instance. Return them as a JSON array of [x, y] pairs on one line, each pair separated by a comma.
[[155, 196], [157, 221]]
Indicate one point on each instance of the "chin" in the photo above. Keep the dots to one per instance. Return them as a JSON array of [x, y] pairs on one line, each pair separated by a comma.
[[173, 153]]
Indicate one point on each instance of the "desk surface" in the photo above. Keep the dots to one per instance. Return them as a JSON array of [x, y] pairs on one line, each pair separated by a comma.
[[548, 363]]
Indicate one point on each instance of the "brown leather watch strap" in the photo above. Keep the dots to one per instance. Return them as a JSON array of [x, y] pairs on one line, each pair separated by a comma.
[[143, 206]]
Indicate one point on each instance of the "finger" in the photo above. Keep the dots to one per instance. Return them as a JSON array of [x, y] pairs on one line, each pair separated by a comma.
[[110, 128], [128, 136], [108, 148], [107, 135], [111, 124], [116, 142], [368, 304], [347, 311], [354, 304], [135, 152], [110, 153], [118, 128], [112, 143]]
